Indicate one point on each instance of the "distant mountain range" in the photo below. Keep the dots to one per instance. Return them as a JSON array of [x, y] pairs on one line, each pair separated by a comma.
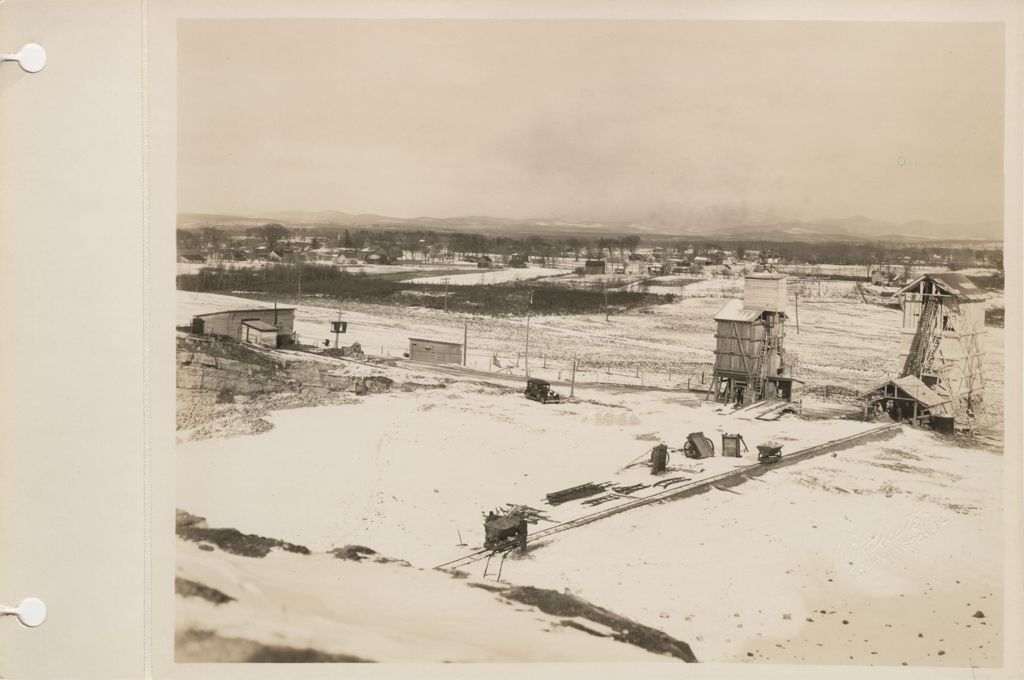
[[847, 229]]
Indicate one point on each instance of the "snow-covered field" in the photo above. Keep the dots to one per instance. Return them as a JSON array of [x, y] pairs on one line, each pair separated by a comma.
[[880, 554], [913, 515], [854, 345], [485, 277]]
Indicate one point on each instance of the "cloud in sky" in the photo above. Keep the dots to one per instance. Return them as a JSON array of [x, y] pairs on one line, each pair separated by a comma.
[[661, 122]]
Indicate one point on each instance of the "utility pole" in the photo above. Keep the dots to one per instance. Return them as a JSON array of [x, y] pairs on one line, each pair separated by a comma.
[[446, 294], [604, 285], [572, 383], [798, 312], [465, 341], [527, 353]]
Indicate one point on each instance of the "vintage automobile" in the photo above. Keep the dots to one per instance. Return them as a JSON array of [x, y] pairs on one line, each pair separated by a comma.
[[540, 390]]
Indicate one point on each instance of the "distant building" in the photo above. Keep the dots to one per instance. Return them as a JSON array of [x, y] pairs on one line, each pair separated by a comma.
[[191, 256], [484, 262], [375, 255], [267, 327], [594, 267], [435, 351], [637, 268]]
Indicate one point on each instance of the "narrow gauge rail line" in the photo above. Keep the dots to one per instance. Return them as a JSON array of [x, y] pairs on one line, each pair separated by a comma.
[[668, 494]]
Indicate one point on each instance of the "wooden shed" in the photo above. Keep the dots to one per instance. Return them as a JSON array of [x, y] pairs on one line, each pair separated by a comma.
[[257, 332], [229, 324], [594, 267], [435, 351], [908, 398]]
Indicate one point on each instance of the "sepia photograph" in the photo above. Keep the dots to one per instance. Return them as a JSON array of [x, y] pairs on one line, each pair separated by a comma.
[[579, 340]]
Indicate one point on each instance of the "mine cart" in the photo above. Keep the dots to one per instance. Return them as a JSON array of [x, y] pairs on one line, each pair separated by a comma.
[[698, 446], [769, 453], [731, 445], [540, 390], [505, 531]]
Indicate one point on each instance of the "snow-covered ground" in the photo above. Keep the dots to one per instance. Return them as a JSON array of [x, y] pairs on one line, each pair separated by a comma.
[[881, 555], [671, 345], [899, 539], [406, 486], [375, 612], [485, 277], [410, 474]]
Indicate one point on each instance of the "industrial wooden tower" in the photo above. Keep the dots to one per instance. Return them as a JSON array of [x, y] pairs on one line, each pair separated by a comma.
[[750, 360], [941, 342]]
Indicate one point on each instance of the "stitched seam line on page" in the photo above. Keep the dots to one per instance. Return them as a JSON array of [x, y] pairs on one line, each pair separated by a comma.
[[147, 478]]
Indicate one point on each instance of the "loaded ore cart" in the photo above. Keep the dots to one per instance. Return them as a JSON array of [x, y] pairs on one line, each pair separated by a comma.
[[505, 531], [698, 446], [769, 453], [540, 390]]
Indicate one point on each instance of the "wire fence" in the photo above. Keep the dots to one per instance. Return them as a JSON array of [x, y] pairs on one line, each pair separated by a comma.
[[560, 369]]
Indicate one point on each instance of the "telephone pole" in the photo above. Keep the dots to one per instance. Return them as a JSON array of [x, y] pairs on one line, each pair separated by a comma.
[[572, 383], [604, 285], [527, 353], [465, 341]]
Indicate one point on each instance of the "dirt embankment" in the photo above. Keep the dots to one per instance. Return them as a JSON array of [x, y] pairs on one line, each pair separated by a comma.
[[225, 388], [211, 611], [222, 366]]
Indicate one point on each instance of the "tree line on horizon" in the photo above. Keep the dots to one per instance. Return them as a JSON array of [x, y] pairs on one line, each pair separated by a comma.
[[426, 241]]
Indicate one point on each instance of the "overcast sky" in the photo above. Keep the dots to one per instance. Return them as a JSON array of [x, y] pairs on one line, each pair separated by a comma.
[[666, 123]]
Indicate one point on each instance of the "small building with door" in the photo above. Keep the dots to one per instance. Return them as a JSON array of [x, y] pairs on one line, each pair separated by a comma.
[[268, 327], [256, 332], [594, 267], [435, 351]]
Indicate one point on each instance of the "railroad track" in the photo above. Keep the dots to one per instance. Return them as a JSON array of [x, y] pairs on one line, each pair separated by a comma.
[[744, 471]]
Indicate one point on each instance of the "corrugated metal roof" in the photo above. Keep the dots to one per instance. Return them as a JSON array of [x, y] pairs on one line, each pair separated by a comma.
[[245, 311], [260, 325], [951, 282], [734, 311], [436, 342], [915, 389], [913, 386]]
